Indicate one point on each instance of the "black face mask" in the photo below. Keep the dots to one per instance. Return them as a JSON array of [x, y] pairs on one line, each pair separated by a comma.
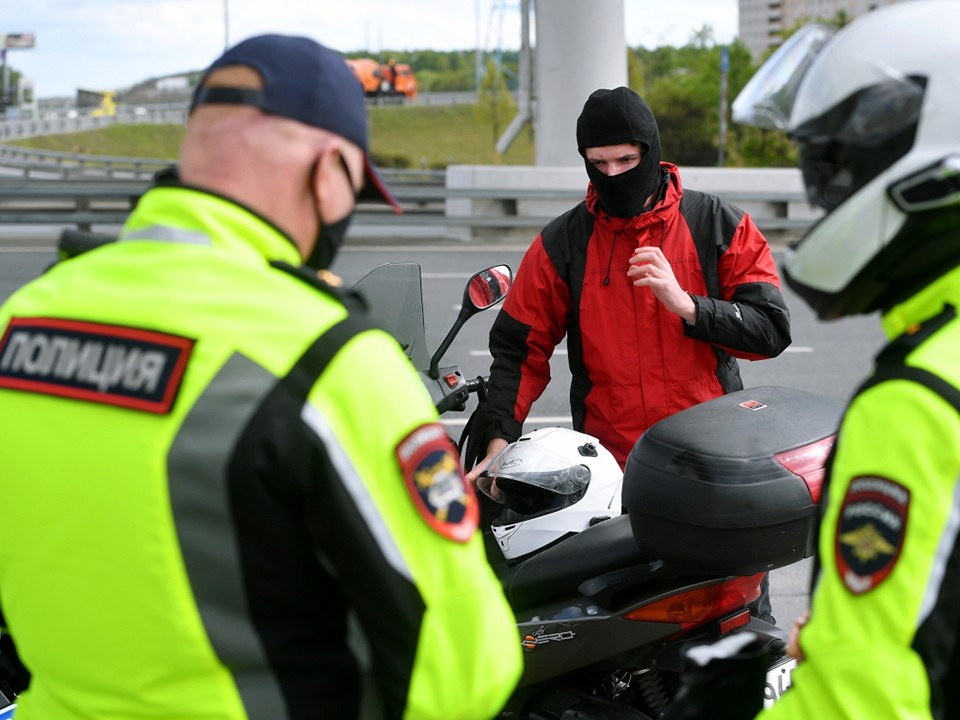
[[329, 239], [625, 195], [329, 235]]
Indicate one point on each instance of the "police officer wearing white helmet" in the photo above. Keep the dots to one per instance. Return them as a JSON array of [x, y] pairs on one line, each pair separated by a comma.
[[875, 112]]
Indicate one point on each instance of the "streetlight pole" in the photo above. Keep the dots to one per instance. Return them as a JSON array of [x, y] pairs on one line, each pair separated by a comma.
[[226, 24], [6, 98], [479, 58], [724, 71]]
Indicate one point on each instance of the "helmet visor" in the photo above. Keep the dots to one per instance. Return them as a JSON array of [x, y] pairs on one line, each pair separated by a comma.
[[767, 100], [533, 464], [844, 148], [531, 480]]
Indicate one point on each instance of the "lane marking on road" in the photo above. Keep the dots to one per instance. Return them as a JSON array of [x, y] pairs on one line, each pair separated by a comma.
[[532, 420], [561, 351], [426, 247], [486, 353]]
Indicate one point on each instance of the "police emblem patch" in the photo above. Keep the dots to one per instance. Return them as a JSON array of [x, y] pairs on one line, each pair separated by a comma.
[[431, 469], [870, 531]]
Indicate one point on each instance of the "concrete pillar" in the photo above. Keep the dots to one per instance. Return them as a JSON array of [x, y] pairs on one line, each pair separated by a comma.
[[580, 46]]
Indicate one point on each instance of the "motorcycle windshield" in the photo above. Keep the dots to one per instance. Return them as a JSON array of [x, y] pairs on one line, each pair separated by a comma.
[[532, 464], [767, 100], [395, 298]]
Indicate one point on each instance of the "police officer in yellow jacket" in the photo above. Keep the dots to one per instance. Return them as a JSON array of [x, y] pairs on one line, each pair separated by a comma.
[[224, 494], [875, 112]]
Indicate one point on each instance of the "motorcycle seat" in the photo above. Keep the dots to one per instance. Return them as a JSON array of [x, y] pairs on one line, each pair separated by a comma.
[[560, 569]]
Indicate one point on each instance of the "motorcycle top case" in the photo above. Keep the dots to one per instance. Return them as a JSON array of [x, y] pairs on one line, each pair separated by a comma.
[[707, 493]]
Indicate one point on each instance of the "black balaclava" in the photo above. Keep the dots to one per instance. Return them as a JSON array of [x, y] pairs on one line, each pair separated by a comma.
[[613, 117]]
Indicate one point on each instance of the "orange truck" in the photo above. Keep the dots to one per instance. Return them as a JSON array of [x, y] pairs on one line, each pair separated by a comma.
[[390, 79]]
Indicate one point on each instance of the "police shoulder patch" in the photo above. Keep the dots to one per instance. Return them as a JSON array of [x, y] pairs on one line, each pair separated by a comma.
[[870, 531], [431, 470]]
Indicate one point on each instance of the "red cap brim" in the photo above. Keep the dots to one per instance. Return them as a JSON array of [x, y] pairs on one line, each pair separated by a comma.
[[375, 189]]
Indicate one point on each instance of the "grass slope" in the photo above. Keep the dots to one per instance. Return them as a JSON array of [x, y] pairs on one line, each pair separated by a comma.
[[429, 136]]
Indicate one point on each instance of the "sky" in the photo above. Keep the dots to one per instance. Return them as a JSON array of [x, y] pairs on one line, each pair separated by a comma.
[[113, 44]]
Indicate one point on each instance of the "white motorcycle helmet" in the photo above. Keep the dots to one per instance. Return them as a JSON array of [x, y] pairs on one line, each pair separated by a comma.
[[875, 111], [552, 482]]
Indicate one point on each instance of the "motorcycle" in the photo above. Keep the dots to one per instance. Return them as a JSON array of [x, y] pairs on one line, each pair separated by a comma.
[[613, 576]]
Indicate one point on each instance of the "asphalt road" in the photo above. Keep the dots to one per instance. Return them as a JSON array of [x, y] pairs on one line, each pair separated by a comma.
[[828, 359]]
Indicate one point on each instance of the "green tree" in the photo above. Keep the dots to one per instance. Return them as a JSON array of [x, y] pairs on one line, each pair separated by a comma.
[[8, 95], [755, 147], [684, 95], [687, 134], [637, 72], [494, 106], [682, 85]]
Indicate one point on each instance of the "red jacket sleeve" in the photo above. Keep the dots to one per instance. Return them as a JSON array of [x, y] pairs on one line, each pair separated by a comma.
[[531, 323]]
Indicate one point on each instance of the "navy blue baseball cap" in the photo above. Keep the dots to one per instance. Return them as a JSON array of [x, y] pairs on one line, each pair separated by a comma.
[[303, 81]]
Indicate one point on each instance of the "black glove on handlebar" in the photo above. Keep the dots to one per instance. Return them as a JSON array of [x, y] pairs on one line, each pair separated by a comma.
[[722, 681]]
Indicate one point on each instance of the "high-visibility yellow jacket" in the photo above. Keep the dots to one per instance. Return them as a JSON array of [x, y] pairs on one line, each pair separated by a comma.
[[225, 495], [884, 631]]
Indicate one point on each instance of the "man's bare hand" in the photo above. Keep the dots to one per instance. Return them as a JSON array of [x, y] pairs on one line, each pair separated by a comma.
[[493, 447], [649, 268], [793, 646]]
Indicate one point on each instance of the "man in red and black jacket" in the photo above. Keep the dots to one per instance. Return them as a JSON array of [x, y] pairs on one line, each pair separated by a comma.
[[658, 290]]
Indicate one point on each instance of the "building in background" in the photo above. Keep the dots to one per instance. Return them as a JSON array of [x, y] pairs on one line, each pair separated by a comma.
[[761, 22]]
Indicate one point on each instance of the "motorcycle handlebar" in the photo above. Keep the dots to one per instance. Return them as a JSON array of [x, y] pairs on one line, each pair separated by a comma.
[[479, 386], [450, 391]]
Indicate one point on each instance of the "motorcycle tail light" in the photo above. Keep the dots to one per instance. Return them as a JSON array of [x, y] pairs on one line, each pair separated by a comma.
[[808, 462], [701, 604]]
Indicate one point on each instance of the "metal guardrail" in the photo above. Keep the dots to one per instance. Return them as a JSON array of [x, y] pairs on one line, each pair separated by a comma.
[[109, 188], [82, 203], [48, 164], [173, 110], [107, 200], [60, 123], [42, 187]]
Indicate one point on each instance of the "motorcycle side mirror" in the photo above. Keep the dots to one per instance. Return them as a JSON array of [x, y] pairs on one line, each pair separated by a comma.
[[484, 289], [488, 287]]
